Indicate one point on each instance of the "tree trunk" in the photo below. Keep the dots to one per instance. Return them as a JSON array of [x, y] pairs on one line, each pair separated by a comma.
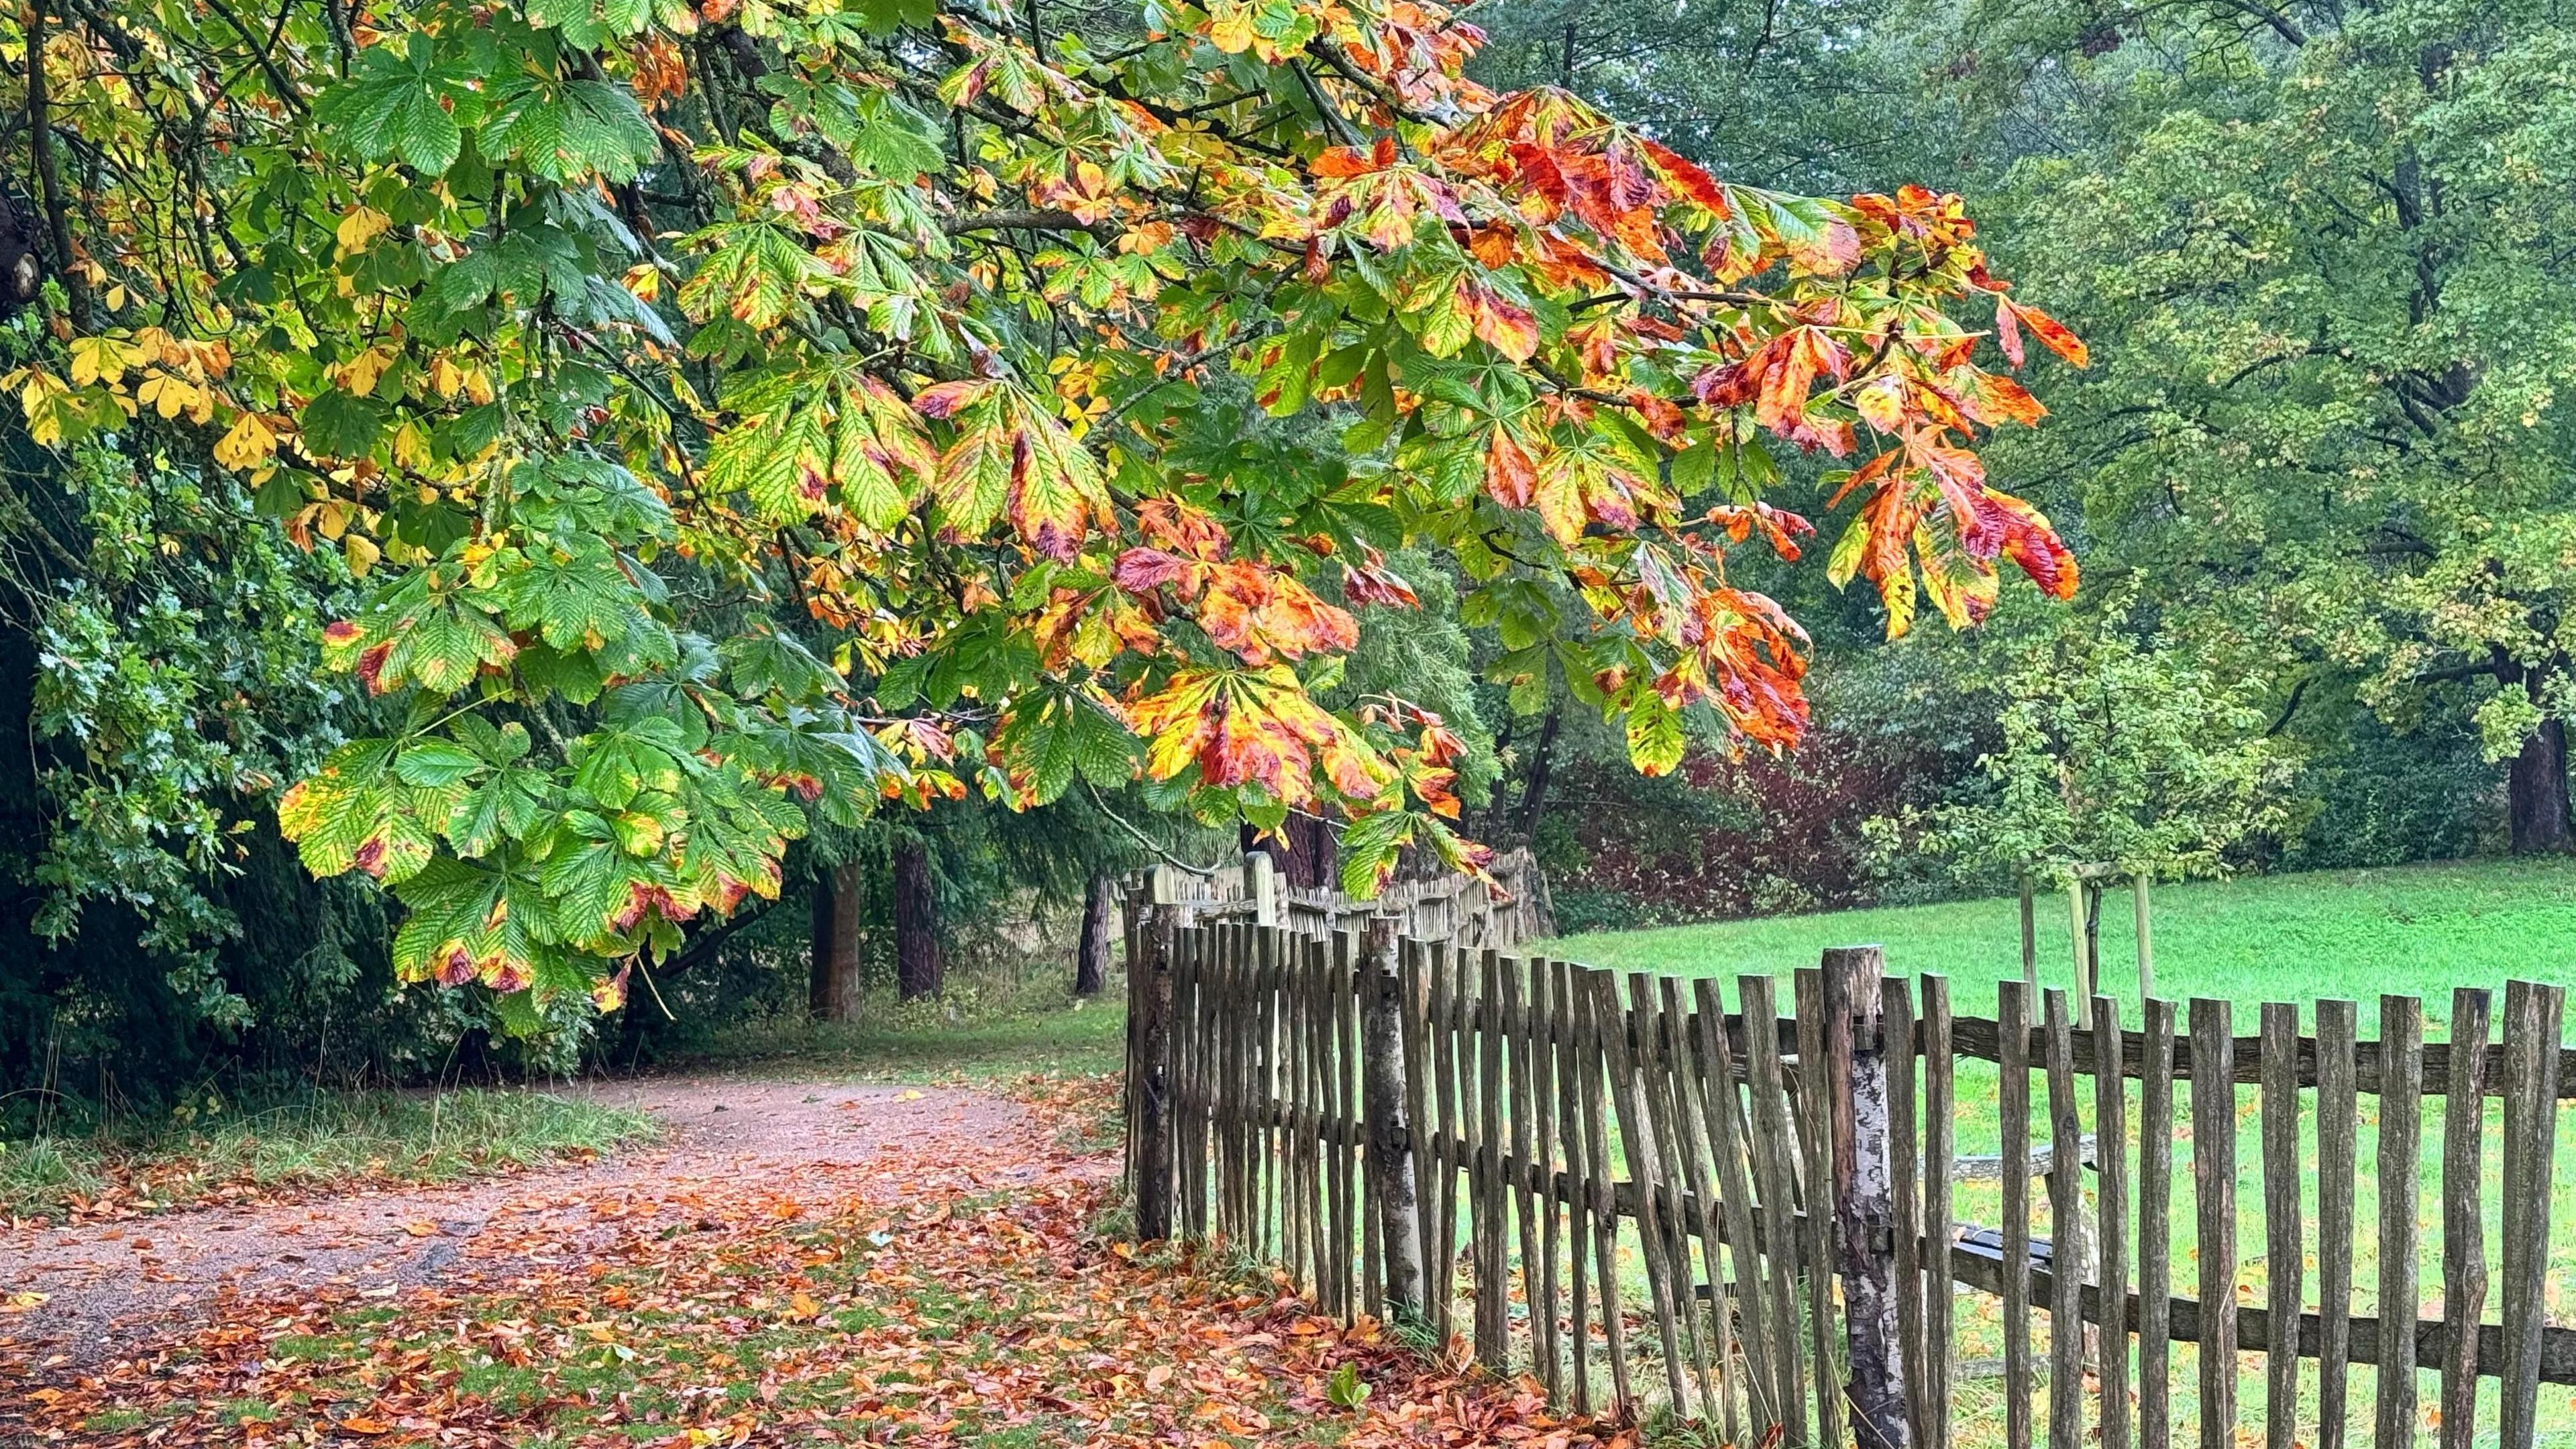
[[1091, 962], [1301, 850], [916, 924], [2536, 792], [834, 990], [1533, 802]]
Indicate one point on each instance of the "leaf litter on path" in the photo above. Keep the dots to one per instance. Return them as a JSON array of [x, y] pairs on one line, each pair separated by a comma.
[[947, 1292]]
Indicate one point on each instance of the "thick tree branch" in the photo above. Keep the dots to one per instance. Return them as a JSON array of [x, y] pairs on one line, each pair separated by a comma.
[[1030, 219]]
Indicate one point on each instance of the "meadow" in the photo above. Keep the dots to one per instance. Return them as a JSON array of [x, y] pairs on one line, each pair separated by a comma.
[[2420, 931], [2354, 934]]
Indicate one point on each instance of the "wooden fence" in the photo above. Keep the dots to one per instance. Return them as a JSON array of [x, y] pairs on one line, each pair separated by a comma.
[[1417, 1131], [1449, 907]]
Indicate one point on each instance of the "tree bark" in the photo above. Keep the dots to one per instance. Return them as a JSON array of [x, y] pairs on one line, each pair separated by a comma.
[[1091, 960], [833, 993], [2536, 792], [916, 924], [1302, 850]]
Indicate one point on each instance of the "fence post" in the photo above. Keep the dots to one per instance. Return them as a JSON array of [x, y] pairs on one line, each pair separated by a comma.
[[1864, 1194], [2146, 943], [1261, 886], [1152, 1066], [1390, 1140]]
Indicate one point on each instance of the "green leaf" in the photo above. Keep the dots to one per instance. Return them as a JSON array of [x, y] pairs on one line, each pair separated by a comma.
[[1654, 735], [566, 130], [766, 661], [893, 140], [435, 762], [1369, 849], [590, 881], [339, 425], [397, 106], [506, 807]]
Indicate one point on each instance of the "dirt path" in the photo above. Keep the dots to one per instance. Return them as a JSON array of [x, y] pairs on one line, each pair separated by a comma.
[[109, 1286]]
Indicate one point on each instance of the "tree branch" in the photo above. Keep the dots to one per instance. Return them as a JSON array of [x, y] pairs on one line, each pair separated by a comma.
[[1032, 219]]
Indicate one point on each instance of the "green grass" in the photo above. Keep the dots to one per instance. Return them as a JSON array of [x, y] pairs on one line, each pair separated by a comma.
[[996, 1031], [2416, 930], [327, 1140]]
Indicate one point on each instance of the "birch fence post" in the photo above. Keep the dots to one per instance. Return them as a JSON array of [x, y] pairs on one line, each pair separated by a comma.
[[1864, 1196], [1154, 1095], [1390, 1140]]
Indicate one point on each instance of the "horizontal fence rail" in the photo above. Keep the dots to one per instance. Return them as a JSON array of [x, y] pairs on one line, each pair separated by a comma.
[[1754, 1218]]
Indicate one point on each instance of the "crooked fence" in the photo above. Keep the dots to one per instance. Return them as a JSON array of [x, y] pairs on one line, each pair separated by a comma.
[[1754, 1217]]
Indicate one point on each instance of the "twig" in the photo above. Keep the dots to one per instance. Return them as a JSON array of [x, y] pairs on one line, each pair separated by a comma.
[[1203, 872]]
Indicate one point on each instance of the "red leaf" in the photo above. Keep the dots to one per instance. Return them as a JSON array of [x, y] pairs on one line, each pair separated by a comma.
[[1375, 584], [942, 400], [1142, 570], [2007, 331]]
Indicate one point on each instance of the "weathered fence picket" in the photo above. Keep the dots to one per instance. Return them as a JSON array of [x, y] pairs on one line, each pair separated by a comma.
[[1749, 1217]]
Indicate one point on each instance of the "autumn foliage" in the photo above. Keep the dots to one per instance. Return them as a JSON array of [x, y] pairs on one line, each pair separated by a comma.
[[752, 410]]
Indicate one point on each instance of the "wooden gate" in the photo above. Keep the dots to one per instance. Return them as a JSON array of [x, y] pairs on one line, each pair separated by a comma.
[[1753, 1217]]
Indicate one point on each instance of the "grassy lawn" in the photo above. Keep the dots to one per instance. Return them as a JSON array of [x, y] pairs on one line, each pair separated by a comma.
[[2418, 930], [2350, 934], [328, 1140]]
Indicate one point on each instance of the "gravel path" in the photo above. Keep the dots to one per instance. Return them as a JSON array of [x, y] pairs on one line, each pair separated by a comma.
[[110, 1285]]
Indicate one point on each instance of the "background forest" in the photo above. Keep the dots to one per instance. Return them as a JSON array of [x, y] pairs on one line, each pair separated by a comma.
[[2316, 475]]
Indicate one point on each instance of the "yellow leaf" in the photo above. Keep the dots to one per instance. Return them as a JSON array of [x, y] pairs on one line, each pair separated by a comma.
[[170, 395], [358, 375], [247, 445], [97, 358], [48, 405], [152, 344], [411, 450], [1232, 31], [644, 281], [363, 224], [363, 554], [803, 1305]]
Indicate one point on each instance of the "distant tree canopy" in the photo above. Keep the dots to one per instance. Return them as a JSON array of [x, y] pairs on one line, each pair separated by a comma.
[[2322, 250]]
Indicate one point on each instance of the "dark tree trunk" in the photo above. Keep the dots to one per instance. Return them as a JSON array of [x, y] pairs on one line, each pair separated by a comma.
[[916, 924], [2536, 792], [1533, 802], [833, 993], [1301, 850], [1091, 960], [1315, 852]]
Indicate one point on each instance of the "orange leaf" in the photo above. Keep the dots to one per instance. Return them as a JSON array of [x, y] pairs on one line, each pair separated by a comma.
[[1344, 161], [1509, 477], [1506, 327], [2048, 329]]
